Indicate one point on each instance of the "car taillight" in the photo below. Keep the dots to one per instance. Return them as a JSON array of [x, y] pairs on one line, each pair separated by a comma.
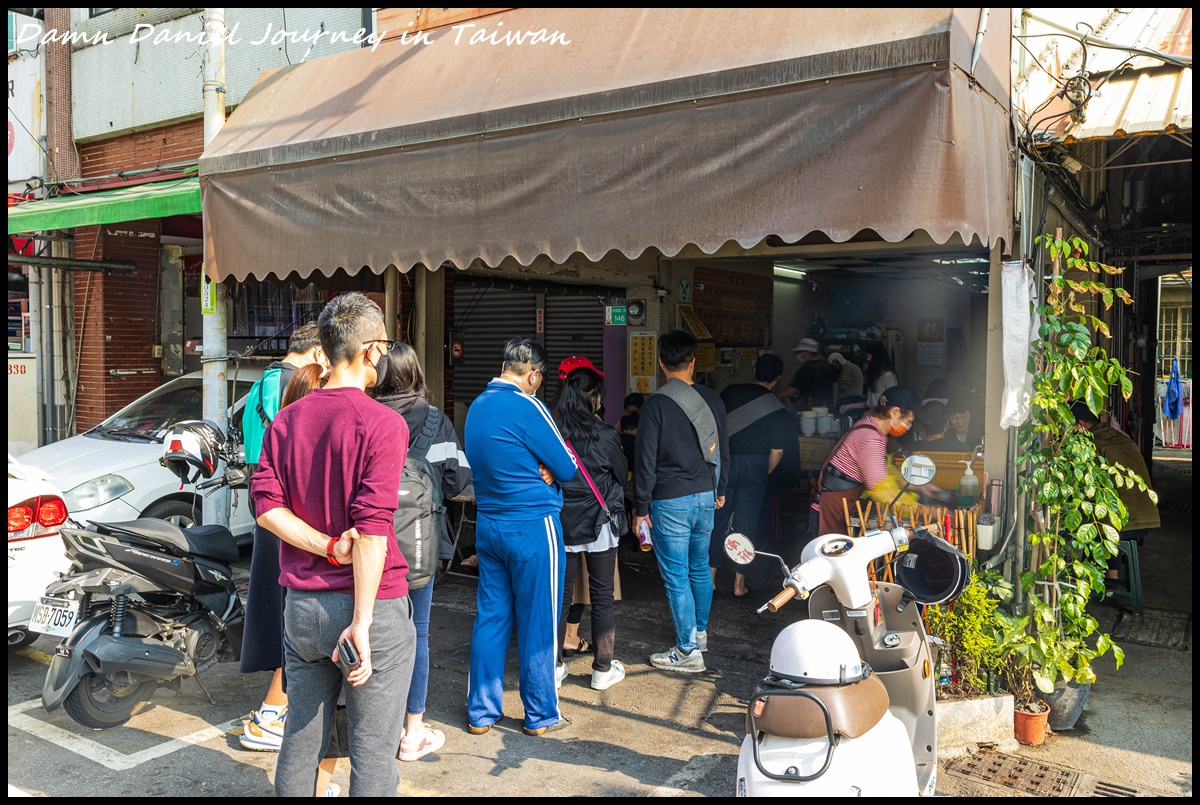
[[52, 512], [20, 517], [36, 517]]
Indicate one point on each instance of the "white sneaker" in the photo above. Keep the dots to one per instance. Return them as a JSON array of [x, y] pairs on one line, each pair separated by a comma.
[[603, 680], [675, 659], [333, 790], [560, 673], [263, 734], [702, 640]]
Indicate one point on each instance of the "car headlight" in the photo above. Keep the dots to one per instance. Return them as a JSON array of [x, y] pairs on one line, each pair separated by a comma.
[[96, 492]]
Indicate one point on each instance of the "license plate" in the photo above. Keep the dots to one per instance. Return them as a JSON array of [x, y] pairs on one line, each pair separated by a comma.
[[54, 616]]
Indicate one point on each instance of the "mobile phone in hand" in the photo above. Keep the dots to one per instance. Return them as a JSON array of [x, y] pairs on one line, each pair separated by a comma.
[[347, 656]]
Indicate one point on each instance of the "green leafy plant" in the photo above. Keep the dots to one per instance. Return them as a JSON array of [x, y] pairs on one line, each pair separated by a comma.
[[1076, 515], [968, 626]]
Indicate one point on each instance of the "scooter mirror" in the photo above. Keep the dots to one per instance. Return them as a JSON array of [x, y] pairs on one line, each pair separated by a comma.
[[918, 469], [739, 548]]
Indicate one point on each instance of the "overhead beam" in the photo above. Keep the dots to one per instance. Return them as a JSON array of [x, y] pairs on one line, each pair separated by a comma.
[[67, 263]]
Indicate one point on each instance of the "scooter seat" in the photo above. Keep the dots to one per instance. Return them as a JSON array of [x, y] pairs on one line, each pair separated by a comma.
[[214, 541], [854, 709]]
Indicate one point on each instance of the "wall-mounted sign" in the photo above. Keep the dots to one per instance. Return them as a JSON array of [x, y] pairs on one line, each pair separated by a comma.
[[614, 314], [208, 294]]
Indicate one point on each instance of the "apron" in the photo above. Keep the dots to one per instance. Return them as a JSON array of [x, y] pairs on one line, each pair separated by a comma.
[[833, 514]]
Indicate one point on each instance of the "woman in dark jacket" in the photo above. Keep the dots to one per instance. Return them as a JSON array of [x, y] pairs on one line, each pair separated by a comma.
[[586, 527], [403, 390]]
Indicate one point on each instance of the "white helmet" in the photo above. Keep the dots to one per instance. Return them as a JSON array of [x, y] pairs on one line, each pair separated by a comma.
[[817, 653], [191, 444]]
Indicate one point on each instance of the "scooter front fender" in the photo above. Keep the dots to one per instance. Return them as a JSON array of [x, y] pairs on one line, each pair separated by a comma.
[[68, 665]]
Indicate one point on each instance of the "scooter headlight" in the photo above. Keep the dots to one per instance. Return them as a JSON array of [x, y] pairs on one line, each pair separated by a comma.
[[97, 492]]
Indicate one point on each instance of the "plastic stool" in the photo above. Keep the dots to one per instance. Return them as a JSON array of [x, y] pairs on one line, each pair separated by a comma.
[[1129, 588]]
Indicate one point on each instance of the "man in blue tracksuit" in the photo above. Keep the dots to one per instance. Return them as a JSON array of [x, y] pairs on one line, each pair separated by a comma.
[[517, 455]]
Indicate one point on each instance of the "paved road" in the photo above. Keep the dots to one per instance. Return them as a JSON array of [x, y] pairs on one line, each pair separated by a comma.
[[656, 733]]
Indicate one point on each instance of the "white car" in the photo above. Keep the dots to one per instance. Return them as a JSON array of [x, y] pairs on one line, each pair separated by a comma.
[[35, 551], [111, 473]]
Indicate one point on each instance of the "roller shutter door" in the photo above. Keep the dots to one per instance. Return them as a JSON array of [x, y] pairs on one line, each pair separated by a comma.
[[574, 326], [487, 317]]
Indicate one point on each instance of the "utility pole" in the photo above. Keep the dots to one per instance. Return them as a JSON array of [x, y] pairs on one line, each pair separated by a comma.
[[212, 294]]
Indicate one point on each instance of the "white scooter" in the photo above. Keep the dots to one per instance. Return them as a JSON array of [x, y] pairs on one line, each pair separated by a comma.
[[849, 706]]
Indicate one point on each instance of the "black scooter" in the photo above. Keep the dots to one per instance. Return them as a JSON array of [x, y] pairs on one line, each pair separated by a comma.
[[147, 604]]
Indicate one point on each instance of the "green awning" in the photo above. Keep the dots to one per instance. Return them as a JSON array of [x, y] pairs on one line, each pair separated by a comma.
[[151, 200]]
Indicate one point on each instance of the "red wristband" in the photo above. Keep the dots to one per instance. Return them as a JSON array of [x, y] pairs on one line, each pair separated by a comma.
[[329, 552]]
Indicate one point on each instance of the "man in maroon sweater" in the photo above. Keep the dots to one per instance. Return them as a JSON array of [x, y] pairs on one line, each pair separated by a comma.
[[327, 484]]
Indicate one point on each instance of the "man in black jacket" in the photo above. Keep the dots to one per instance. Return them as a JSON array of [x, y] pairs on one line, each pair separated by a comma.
[[681, 449]]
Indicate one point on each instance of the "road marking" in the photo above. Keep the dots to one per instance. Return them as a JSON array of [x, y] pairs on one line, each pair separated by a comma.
[[35, 655], [98, 753], [677, 784]]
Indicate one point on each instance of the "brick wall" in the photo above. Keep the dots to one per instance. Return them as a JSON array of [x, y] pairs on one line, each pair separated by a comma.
[[117, 313], [116, 318], [153, 148]]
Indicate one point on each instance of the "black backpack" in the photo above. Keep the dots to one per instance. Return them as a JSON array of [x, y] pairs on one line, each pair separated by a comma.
[[420, 508]]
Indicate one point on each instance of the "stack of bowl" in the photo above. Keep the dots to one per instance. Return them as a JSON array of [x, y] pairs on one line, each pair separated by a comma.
[[808, 423]]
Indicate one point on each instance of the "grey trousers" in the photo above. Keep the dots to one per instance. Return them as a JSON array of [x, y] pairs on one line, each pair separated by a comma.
[[374, 711]]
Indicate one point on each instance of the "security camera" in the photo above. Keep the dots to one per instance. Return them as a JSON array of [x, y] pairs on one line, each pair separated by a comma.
[[662, 294]]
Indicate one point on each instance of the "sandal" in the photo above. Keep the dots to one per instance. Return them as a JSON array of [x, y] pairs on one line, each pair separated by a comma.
[[584, 647], [431, 741]]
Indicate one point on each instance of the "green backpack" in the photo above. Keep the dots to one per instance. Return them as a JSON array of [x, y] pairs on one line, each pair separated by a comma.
[[262, 404]]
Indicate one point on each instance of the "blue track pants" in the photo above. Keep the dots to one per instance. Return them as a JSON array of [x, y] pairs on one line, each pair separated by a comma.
[[520, 578]]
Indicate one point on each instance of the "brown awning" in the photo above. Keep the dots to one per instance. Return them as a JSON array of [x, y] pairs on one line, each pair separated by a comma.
[[652, 128]]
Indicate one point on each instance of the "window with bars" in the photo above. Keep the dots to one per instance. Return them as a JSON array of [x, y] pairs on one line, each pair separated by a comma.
[[1175, 339]]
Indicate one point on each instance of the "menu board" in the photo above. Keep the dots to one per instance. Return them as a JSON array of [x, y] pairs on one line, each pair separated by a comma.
[[736, 307], [643, 361]]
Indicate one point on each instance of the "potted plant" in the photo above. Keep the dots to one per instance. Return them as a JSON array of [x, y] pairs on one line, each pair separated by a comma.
[[1076, 516], [1020, 652]]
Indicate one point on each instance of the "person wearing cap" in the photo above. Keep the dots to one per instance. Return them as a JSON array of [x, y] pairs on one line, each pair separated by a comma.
[[850, 379], [1117, 448], [815, 382], [857, 466]]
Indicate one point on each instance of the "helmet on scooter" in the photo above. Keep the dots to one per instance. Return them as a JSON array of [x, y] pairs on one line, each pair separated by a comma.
[[817, 653], [192, 444], [932, 570]]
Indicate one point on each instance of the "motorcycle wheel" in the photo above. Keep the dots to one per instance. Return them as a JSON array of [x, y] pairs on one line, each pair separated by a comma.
[[100, 702]]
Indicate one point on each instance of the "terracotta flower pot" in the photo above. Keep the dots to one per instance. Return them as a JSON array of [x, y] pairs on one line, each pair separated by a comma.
[[1030, 728]]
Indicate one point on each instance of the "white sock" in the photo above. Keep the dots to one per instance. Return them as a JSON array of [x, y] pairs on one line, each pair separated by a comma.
[[270, 712]]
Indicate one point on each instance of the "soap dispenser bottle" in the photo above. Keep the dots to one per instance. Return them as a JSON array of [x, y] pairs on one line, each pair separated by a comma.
[[968, 487]]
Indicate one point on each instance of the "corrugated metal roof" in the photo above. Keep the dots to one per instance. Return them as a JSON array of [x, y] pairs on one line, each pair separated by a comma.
[[1133, 94], [1142, 102]]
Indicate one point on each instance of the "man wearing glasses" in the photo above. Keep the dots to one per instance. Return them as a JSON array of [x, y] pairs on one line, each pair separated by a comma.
[[327, 484], [517, 454]]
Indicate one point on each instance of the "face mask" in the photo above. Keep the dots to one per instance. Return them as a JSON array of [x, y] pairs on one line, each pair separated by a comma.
[[381, 367], [898, 430]]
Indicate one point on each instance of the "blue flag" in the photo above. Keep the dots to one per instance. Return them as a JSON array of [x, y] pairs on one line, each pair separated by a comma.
[[1172, 406]]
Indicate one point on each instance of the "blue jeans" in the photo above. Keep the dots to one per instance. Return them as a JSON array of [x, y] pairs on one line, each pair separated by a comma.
[[422, 600], [745, 491], [681, 530]]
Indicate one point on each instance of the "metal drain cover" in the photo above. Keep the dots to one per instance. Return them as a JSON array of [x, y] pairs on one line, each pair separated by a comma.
[[1038, 778], [1022, 774]]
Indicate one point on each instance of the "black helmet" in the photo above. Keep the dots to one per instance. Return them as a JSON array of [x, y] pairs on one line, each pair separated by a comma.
[[192, 443], [932, 570]]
